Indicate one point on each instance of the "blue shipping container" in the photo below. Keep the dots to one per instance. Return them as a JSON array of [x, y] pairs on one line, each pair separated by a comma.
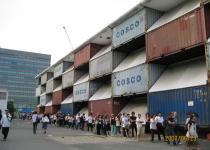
[[193, 99], [67, 108]]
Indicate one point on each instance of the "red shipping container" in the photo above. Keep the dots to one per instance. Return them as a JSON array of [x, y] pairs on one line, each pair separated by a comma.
[[59, 96], [105, 107], [51, 109], [83, 56], [184, 32]]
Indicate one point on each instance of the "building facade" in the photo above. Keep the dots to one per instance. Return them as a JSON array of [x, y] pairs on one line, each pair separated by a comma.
[[17, 72]]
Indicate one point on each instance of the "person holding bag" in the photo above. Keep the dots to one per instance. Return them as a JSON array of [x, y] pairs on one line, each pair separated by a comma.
[[45, 121]]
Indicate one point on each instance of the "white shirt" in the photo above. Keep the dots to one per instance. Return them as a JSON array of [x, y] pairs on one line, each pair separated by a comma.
[[78, 118], [139, 122], [125, 121], [45, 119], [34, 118], [6, 121], [90, 119], [153, 124], [159, 119]]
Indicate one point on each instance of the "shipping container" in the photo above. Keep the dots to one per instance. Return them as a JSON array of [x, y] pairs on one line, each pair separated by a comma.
[[57, 83], [84, 110], [104, 62], [134, 26], [208, 56], [67, 105], [183, 101], [83, 56], [60, 68], [44, 98], [179, 29], [68, 78], [205, 1], [43, 89], [38, 91], [49, 86], [134, 76], [182, 88], [45, 77], [50, 109], [57, 96], [207, 18], [137, 105], [83, 89]]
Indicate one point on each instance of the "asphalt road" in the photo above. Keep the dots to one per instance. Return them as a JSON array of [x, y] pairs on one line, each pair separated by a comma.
[[21, 138]]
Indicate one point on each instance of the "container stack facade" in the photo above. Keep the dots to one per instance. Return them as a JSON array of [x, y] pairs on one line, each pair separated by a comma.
[[151, 61]]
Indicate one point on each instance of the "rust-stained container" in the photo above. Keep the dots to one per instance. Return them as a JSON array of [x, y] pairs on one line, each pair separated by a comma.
[[83, 56], [169, 36], [68, 78], [104, 62], [59, 95], [105, 107], [50, 109]]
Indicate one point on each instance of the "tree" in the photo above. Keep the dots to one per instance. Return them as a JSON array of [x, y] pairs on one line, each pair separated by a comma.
[[10, 107]]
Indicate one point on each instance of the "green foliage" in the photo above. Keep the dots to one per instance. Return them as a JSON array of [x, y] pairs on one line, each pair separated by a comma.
[[10, 107]]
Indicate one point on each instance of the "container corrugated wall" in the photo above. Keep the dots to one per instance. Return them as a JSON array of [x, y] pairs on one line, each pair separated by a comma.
[[184, 32], [49, 86], [57, 97], [105, 107], [58, 70], [67, 108], [135, 80], [44, 78], [51, 109], [83, 56], [38, 91], [101, 66], [207, 19], [134, 26], [193, 99], [68, 79], [83, 91], [43, 100]]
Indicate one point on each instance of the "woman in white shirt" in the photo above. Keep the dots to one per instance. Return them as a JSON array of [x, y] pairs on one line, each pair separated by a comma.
[[139, 122], [45, 121], [153, 127]]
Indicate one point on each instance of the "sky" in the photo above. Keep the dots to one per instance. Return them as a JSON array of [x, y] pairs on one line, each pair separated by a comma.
[[37, 25]]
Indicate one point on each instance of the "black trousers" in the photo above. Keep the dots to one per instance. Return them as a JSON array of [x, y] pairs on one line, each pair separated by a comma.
[[152, 134], [90, 126], [160, 130], [34, 127], [133, 128], [5, 131]]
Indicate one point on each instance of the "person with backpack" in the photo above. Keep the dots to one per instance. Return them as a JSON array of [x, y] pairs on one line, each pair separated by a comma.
[[6, 122], [35, 121]]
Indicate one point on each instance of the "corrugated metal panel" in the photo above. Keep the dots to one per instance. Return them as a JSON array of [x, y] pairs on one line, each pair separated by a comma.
[[67, 108], [49, 86], [182, 75], [38, 90], [104, 92], [44, 78], [205, 1], [81, 92], [137, 105], [51, 109], [83, 79], [103, 51], [57, 97], [43, 89], [133, 80], [68, 100], [101, 107], [78, 74], [134, 59], [101, 66], [43, 100], [175, 13], [188, 30], [57, 83], [58, 70], [134, 26], [117, 58], [83, 56], [193, 99], [207, 19], [68, 79]]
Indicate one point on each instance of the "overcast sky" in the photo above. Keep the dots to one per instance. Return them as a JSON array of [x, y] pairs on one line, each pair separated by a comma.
[[36, 25]]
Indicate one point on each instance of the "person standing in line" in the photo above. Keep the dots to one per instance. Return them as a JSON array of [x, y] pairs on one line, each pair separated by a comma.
[[90, 122], [192, 132], [133, 124], [170, 127], [6, 122], [139, 122], [0, 118], [160, 129], [45, 121], [147, 125], [153, 127], [77, 121], [35, 121], [118, 125], [113, 125]]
